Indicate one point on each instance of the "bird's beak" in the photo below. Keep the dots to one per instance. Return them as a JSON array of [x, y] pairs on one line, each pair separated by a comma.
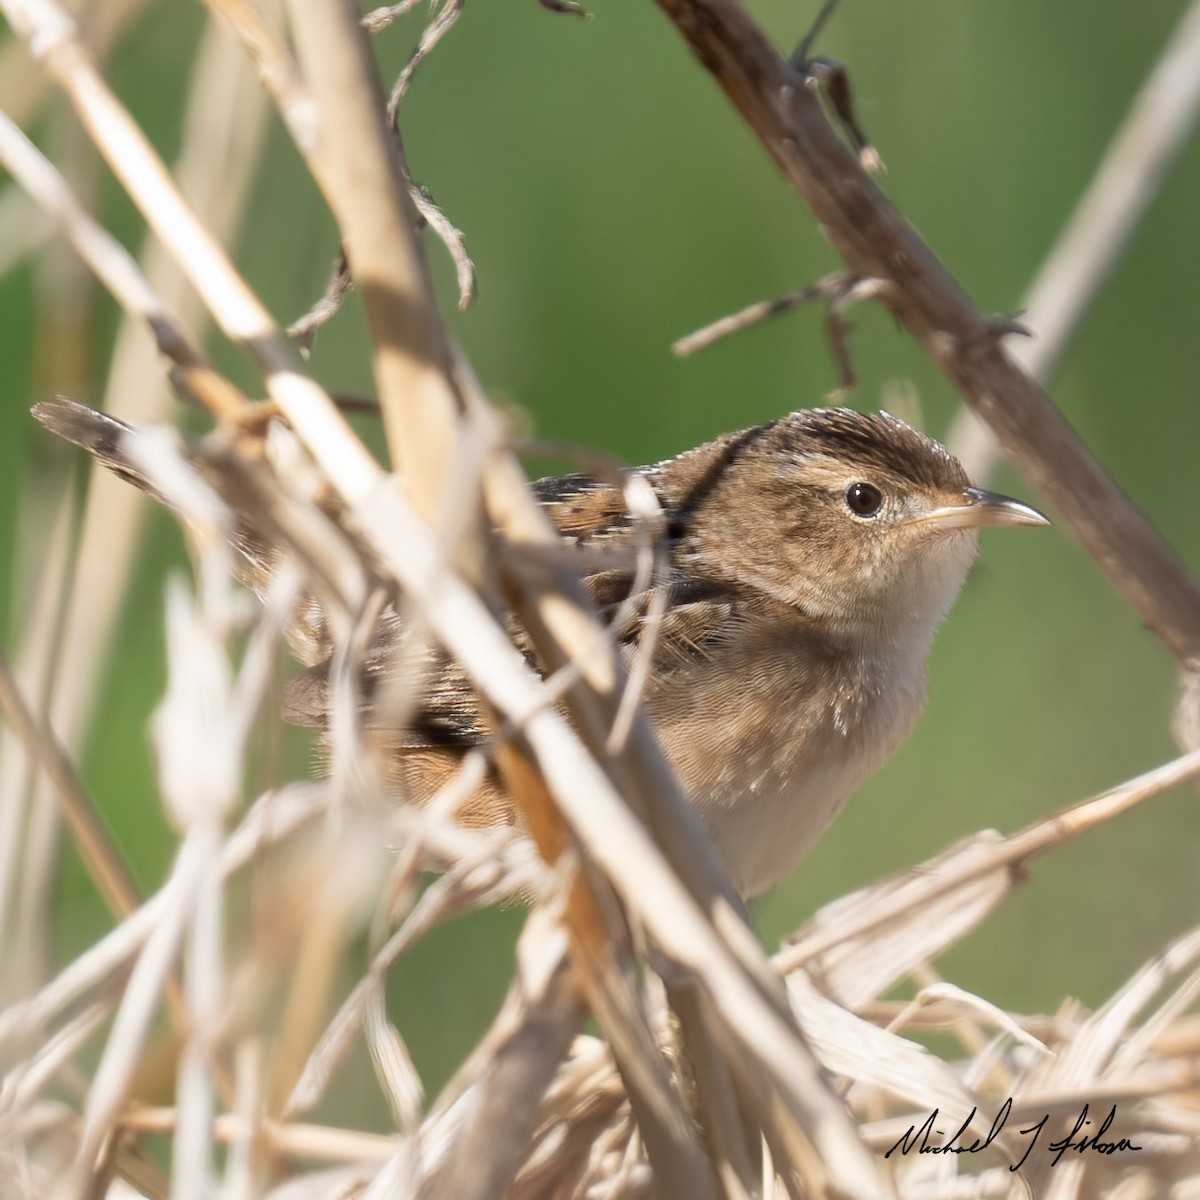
[[977, 508]]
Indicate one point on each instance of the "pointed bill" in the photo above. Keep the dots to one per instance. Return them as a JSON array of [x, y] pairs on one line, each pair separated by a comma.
[[978, 508]]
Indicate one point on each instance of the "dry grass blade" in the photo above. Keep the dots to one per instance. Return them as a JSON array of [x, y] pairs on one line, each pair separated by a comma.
[[876, 1060], [461, 888], [274, 818], [243, 318], [90, 836], [110, 261], [979, 859], [517, 1060], [858, 968]]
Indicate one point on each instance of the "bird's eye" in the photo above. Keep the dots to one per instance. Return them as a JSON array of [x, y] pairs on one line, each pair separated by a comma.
[[864, 499]]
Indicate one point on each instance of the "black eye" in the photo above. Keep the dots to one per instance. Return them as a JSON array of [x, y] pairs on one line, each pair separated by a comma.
[[864, 499]]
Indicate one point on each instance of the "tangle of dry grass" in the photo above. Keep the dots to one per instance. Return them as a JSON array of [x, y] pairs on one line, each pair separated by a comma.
[[713, 1071]]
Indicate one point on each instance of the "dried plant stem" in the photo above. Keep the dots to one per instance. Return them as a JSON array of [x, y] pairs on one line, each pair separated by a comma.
[[321, 1142], [444, 20], [1006, 855], [276, 67], [1131, 175], [115, 267], [241, 316], [357, 168], [414, 558], [601, 956], [62, 356], [29, 813], [877, 243], [527, 1043], [108, 259], [101, 857], [23, 85], [273, 819], [744, 318], [225, 123]]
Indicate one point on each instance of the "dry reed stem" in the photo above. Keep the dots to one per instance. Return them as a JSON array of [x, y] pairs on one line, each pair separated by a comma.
[[23, 86], [276, 66], [354, 161], [109, 260], [51, 33], [28, 817], [134, 160], [222, 124], [321, 1142], [274, 818], [524, 1050]]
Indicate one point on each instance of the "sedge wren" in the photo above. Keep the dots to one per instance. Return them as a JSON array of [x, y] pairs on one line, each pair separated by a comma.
[[809, 563]]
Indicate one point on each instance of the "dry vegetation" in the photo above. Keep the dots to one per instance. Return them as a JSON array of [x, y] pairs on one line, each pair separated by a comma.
[[716, 1071]]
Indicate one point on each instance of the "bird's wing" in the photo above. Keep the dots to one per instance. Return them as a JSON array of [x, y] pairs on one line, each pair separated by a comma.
[[441, 709], [438, 707]]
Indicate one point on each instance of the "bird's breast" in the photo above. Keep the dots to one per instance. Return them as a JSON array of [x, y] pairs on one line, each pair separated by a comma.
[[771, 751]]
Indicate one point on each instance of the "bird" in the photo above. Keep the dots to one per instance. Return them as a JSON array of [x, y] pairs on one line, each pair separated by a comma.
[[806, 565]]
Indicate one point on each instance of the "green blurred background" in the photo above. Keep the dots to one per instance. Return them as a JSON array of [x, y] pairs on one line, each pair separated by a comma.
[[613, 201]]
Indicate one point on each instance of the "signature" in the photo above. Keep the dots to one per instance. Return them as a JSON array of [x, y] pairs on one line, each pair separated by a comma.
[[918, 1137]]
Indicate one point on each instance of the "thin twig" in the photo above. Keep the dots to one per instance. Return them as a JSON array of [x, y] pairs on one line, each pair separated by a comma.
[[450, 236], [800, 54], [752, 314], [339, 285], [433, 33], [378, 19], [839, 291], [876, 242]]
